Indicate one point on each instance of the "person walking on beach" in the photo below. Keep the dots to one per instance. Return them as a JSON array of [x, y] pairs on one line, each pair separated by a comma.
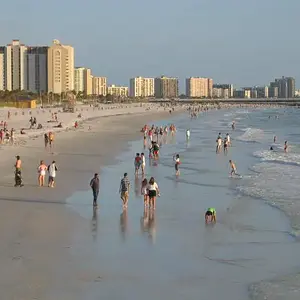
[[46, 140], [144, 192], [285, 146], [42, 173], [153, 192], [124, 190], [52, 169], [51, 139], [18, 174], [95, 186]]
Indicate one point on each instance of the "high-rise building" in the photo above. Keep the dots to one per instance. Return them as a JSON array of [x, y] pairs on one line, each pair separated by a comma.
[[197, 87], [60, 68], [273, 91], [15, 66], [166, 87], [37, 69], [99, 86], [291, 87], [286, 87], [228, 87], [83, 81], [118, 91], [141, 87], [2, 68], [262, 91]]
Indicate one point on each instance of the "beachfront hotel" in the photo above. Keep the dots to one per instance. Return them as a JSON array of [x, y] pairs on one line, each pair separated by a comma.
[[99, 86], [198, 87], [118, 91], [60, 68], [166, 87], [141, 87], [83, 80]]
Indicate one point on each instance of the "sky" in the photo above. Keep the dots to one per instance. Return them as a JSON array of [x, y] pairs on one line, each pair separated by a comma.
[[244, 42]]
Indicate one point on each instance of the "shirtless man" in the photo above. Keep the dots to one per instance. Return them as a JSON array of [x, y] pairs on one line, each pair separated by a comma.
[[18, 175], [233, 168], [219, 144]]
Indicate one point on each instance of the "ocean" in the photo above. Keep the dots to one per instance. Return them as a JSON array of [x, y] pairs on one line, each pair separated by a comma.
[[252, 251]]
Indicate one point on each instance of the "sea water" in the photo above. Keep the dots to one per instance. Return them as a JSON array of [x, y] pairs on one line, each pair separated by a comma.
[[171, 253]]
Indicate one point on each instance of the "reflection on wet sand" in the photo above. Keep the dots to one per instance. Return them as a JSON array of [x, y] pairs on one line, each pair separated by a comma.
[[137, 186], [123, 224], [148, 224], [94, 224]]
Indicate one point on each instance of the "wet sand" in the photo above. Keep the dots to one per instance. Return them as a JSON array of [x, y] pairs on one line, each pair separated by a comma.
[[35, 225], [73, 252], [171, 254]]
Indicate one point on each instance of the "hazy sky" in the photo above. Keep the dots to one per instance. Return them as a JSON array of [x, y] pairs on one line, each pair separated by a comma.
[[244, 42]]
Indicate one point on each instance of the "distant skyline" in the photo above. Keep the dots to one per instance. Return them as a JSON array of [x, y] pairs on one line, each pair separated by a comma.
[[232, 41]]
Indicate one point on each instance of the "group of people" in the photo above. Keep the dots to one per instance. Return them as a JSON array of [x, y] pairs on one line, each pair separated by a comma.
[[226, 142], [42, 171]]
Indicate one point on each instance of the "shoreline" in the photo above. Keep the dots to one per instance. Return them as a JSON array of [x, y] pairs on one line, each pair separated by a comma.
[[41, 225], [34, 228]]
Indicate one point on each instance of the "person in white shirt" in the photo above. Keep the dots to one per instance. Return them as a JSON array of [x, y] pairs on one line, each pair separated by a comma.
[[52, 169], [143, 165], [153, 191], [188, 134]]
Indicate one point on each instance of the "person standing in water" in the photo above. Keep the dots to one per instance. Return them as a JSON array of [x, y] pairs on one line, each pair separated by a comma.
[[124, 190], [275, 138], [285, 147], [144, 192], [219, 144], [143, 165], [95, 186], [153, 192], [177, 163], [233, 168], [137, 163], [188, 134]]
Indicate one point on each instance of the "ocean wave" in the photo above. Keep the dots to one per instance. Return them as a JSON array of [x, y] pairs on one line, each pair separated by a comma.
[[278, 185], [251, 135], [279, 157]]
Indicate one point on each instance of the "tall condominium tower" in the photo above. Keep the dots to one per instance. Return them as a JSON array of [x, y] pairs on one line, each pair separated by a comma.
[[141, 87], [166, 87], [60, 68]]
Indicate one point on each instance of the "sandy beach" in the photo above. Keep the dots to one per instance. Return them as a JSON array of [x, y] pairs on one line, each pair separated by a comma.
[[49, 252], [35, 226]]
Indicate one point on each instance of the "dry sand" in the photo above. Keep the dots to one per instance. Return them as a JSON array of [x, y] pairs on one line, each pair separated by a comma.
[[35, 225]]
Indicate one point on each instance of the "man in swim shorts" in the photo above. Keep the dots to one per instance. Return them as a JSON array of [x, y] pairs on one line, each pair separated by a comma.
[[210, 215]]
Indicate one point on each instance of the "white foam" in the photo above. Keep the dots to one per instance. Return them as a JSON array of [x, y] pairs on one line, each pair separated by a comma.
[[251, 135], [279, 157]]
